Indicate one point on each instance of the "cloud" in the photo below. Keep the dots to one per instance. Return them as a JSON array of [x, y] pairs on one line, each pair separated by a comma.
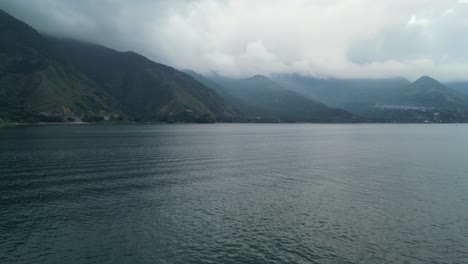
[[418, 21], [338, 38]]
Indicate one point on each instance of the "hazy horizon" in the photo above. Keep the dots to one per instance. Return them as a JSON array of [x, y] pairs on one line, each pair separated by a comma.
[[327, 39]]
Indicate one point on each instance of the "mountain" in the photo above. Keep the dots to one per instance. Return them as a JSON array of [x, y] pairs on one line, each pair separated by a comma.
[[461, 87], [35, 86], [384, 100], [62, 80], [51, 79], [236, 104], [428, 92], [146, 90], [349, 94], [264, 99]]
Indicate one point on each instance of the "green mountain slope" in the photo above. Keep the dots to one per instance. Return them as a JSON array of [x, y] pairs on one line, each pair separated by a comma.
[[236, 104], [460, 86], [385, 100], [428, 92], [265, 99], [34, 86], [349, 94], [51, 79], [146, 90]]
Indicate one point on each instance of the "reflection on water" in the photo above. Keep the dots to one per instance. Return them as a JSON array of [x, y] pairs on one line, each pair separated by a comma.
[[234, 193]]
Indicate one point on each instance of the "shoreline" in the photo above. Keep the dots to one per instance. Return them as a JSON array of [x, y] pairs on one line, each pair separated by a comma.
[[18, 124]]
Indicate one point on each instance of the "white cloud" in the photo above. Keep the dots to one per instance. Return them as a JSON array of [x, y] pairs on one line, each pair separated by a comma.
[[449, 11], [418, 21], [340, 38]]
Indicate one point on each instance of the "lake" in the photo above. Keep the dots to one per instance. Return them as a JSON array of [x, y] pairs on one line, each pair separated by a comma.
[[234, 193]]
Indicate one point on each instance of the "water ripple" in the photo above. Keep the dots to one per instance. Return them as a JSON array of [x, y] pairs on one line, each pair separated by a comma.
[[234, 194]]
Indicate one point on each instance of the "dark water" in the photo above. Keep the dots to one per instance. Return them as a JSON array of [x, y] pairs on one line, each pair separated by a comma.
[[234, 194]]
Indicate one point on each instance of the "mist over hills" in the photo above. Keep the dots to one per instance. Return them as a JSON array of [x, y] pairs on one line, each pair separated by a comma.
[[428, 92], [270, 100], [35, 86], [50, 79], [261, 99], [384, 100], [461, 87], [145, 90], [54, 79]]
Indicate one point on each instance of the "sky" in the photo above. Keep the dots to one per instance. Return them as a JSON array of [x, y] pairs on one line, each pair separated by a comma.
[[240, 38]]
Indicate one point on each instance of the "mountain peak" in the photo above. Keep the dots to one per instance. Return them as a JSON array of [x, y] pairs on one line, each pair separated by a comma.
[[426, 79], [259, 77]]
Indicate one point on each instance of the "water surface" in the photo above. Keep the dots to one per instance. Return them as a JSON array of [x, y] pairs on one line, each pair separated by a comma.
[[234, 193]]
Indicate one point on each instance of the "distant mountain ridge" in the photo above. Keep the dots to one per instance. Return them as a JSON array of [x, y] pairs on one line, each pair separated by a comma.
[[54, 79], [385, 100], [428, 92], [264, 98], [49, 79]]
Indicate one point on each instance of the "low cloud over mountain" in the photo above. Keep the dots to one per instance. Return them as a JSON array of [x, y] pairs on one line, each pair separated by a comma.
[[238, 38]]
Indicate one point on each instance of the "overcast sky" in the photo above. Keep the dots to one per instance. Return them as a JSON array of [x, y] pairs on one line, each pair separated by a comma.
[[326, 38]]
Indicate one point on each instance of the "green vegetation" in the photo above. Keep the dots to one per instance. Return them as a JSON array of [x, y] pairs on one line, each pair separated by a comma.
[[54, 80], [428, 92], [36, 87], [385, 100], [146, 90], [265, 100], [51, 80]]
